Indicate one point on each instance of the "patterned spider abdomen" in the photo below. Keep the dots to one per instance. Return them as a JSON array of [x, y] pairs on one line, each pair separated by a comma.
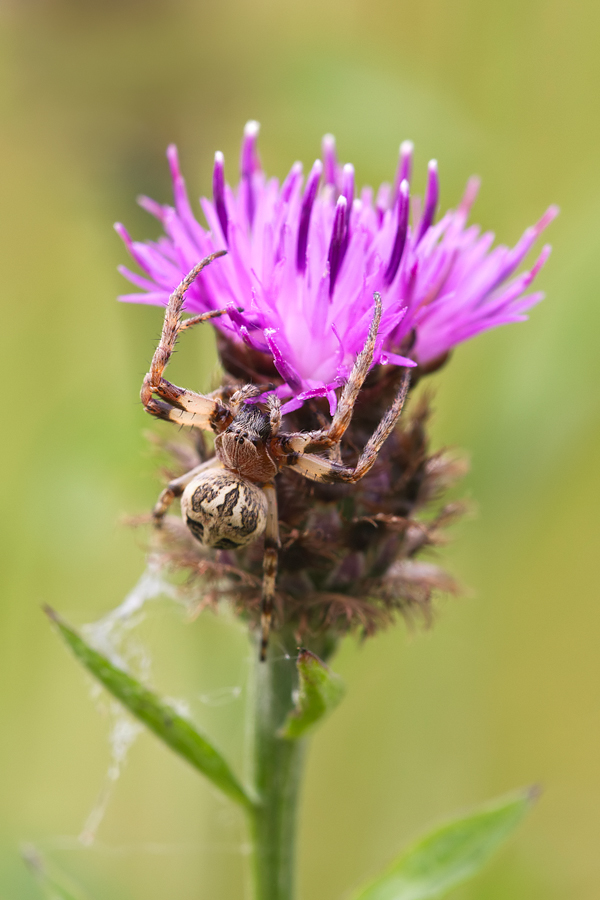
[[223, 510]]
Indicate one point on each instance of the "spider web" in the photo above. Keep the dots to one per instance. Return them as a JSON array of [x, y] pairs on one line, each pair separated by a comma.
[[114, 635]]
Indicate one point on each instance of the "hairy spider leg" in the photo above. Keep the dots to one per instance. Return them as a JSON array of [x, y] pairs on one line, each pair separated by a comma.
[[272, 545], [274, 410], [183, 407], [247, 392], [161, 410], [331, 435], [177, 486], [334, 433], [317, 468]]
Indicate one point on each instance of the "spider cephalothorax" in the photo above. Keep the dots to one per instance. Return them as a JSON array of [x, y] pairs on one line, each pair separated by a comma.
[[244, 446], [230, 500]]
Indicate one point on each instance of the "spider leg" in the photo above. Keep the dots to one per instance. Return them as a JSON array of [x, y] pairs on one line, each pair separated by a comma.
[[244, 393], [343, 414], [272, 545], [204, 411], [203, 317], [176, 487], [274, 407], [331, 435], [317, 468], [169, 413]]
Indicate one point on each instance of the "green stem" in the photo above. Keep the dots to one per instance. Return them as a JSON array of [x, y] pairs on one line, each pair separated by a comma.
[[277, 772]]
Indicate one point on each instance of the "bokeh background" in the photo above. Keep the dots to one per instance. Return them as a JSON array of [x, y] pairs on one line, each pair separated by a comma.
[[504, 691]]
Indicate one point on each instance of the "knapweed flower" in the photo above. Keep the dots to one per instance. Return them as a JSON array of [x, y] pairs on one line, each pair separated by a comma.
[[303, 261], [305, 257]]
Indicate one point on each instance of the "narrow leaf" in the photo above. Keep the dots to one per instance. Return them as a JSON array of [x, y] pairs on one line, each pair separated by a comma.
[[319, 692], [451, 853], [167, 724], [52, 885]]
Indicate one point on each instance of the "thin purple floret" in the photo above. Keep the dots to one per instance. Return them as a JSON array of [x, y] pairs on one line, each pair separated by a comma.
[[219, 191], [308, 200], [431, 200], [338, 236], [401, 232], [303, 263]]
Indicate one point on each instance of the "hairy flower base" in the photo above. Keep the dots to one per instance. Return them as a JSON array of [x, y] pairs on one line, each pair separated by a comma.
[[349, 559]]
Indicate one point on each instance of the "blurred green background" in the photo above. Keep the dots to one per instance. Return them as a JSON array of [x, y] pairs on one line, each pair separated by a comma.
[[504, 691]]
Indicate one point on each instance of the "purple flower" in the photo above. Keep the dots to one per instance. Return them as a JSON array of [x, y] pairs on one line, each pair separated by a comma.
[[304, 259]]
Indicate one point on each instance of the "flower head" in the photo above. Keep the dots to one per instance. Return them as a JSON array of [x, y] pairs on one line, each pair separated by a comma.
[[305, 257]]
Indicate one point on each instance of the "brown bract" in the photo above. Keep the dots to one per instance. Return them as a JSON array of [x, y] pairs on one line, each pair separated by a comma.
[[352, 557]]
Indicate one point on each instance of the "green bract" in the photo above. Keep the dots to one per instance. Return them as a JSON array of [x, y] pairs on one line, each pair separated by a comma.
[[319, 692]]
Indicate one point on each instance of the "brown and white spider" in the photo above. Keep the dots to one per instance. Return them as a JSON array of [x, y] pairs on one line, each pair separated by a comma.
[[230, 500]]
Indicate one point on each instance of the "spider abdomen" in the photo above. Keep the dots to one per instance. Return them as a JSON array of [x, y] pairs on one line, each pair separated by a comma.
[[223, 510]]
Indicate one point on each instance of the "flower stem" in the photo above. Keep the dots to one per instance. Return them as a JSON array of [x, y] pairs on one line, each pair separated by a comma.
[[277, 772]]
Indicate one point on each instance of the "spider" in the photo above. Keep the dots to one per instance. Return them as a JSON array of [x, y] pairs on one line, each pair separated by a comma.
[[230, 500]]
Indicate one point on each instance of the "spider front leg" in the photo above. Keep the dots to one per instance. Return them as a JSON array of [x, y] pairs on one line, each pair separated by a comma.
[[332, 436], [317, 468], [272, 545], [182, 406]]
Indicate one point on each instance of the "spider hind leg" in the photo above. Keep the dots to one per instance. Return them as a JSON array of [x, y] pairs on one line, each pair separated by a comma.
[[269, 569]]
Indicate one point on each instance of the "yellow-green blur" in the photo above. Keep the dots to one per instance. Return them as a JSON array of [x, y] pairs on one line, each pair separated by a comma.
[[505, 690]]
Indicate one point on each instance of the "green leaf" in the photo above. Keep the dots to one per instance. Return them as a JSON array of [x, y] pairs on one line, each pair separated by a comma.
[[451, 854], [167, 724], [51, 884], [320, 691]]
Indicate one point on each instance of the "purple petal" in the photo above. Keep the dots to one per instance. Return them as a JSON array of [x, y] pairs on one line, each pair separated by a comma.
[[219, 191], [151, 206], [304, 266], [182, 203], [338, 235], [249, 164], [397, 360], [138, 280], [470, 195], [431, 199], [294, 176], [330, 163], [348, 184], [404, 170], [283, 366], [308, 200], [401, 232], [158, 298]]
